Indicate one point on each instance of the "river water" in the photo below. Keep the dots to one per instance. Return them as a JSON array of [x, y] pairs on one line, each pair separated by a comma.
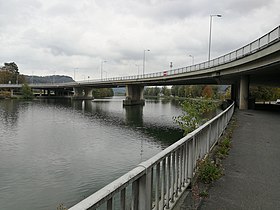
[[61, 151]]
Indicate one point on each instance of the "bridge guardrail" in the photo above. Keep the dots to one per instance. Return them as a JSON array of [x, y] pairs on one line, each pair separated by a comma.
[[160, 181], [248, 49]]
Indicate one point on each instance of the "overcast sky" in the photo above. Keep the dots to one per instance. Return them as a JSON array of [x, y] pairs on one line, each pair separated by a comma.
[[47, 37]]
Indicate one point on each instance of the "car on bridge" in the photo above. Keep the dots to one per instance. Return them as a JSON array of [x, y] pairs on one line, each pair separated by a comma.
[[278, 101]]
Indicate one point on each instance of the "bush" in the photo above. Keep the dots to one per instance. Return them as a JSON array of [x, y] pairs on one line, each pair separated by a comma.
[[27, 92], [209, 171], [193, 110]]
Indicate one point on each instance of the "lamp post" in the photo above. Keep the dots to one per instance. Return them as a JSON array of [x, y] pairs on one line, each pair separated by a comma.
[[138, 68], [102, 68], [106, 74], [144, 60], [192, 58], [209, 48], [75, 73]]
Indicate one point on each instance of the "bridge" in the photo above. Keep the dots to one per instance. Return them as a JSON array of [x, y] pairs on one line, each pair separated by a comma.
[[256, 63]]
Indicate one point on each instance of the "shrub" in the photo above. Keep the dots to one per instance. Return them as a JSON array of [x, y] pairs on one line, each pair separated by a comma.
[[209, 171]]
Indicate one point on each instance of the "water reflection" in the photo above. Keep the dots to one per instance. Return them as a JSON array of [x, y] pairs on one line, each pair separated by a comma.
[[60, 151], [134, 116]]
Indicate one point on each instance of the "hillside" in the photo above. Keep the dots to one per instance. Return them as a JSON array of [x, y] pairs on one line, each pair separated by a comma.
[[48, 79]]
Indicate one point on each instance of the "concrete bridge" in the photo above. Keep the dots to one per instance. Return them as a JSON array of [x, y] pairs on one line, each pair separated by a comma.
[[257, 63]]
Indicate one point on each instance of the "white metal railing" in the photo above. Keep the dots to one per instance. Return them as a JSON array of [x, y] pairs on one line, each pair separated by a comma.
[[264, 41], [159, 182]]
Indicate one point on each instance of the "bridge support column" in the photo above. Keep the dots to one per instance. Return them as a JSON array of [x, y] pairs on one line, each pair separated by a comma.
[[12, 92], [244, 92], [84, 93], [134, 95], [88, 92]]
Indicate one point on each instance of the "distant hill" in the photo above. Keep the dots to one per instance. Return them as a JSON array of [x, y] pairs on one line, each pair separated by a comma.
[[48, 79]]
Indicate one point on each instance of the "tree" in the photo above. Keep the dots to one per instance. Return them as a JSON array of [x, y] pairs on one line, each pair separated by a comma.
[[11, 67], [262, 93], [9, 73], [102, 92], [207, 92], [193, 113], [27, 92], [165, 91]]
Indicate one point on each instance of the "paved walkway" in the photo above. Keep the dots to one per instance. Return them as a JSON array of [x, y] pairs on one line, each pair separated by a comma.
[[252, 169]]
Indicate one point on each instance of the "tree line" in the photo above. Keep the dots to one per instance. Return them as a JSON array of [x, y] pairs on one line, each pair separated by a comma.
[[187, 91]]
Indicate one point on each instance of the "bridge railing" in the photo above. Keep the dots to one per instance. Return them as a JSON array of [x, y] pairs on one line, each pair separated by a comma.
[[258, 44], [159, 182]]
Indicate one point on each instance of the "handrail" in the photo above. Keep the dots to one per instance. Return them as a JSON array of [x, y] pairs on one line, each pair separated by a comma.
[[159, 182]]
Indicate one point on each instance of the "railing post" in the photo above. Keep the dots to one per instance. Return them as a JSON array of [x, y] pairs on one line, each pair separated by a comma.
[[145, 190], [168, 181], [123, 203], [172, 176], [163, 182], [190, 158], [110, 204], [135, 195], [157, 186]]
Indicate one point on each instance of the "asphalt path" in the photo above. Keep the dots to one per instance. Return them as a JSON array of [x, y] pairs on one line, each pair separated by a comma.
[[252, 169]]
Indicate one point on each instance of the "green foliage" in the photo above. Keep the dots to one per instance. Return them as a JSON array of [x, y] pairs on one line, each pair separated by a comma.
[[194, 91], [152, 91], [11, 67], [209, 171], [103, 92], [27, 92], [165, 91], [9, 74], [203, 194], [224, 147], [262, 93], [193, 111]]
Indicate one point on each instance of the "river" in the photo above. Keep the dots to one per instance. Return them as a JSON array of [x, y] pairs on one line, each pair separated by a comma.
[[61, 151]]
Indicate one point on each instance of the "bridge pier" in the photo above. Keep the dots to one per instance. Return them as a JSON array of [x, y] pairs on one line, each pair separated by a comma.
[[240, 92], [12, 92], [82, 93], [134, 95]]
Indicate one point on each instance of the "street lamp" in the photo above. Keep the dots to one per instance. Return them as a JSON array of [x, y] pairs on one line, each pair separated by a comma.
[[192, 58], [102, 68], [144, 60], [209, 48], [105, 73], [75, 73], [138, 68]]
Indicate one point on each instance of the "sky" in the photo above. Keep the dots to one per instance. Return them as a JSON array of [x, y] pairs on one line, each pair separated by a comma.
[[74, 38]]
